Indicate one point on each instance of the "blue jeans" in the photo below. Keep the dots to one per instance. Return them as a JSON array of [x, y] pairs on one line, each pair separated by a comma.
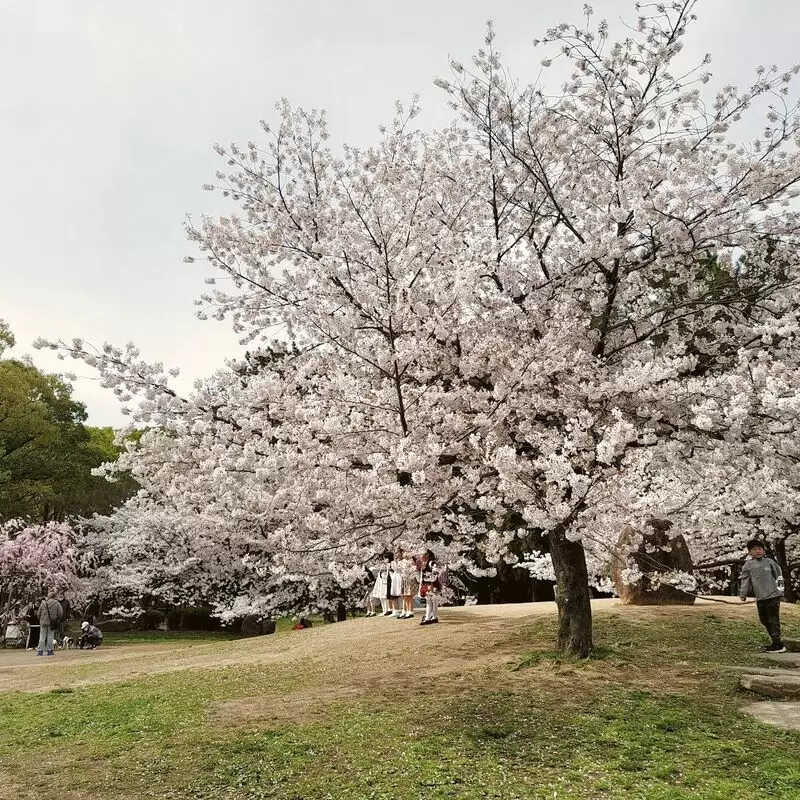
[[45, 639]]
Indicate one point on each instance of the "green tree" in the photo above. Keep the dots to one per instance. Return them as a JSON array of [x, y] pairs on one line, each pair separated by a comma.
[[6, 337], [46, 451]]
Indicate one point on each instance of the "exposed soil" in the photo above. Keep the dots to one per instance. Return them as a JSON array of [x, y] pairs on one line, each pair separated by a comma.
[[356, 656]]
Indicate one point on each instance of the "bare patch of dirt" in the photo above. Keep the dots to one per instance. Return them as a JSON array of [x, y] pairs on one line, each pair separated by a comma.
[[470, 645], [297, 707]]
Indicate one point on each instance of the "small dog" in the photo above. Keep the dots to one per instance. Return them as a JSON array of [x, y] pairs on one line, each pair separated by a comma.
[[67, 643]]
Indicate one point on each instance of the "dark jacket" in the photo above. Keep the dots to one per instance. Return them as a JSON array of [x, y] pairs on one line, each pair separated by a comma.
[[92, 633]]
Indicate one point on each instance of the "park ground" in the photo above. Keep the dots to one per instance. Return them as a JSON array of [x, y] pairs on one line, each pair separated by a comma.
[[476, 707]]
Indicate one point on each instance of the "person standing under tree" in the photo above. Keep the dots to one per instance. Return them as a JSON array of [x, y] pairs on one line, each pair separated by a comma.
[[764, 578], [395, 588], [49, 619], [32, 618], [410, 586], [381, 588], [369, 603], [66, 607], [429, 587]]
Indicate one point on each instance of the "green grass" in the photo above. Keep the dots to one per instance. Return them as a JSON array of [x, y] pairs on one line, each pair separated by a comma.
[[165, 637], [648, 718]]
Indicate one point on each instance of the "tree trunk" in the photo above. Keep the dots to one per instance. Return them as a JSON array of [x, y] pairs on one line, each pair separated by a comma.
[[783, 563], [733, 586], [572, 596]]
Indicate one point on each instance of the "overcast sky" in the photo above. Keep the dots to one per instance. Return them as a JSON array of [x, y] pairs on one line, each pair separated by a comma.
[[108, 111]]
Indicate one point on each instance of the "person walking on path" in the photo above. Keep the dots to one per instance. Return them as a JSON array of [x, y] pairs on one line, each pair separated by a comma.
[[763, 577], [49, 619]]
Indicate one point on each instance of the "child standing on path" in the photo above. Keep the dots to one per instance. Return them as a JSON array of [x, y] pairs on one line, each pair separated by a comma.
[[383, 586], [763, 577], [429, 587], [407, 568]]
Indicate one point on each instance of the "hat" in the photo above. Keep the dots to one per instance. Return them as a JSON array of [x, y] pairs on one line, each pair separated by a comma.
[[84, 625]]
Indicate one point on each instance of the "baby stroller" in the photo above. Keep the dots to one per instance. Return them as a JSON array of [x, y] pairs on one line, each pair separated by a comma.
[[16, 633]]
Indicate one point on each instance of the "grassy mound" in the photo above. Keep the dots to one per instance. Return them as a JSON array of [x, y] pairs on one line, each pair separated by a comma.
[[476, 707]]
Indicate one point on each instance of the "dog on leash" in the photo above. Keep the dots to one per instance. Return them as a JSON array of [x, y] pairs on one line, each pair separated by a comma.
[[67, 643]]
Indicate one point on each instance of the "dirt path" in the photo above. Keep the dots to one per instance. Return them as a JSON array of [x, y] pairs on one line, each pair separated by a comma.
[[463, 635]]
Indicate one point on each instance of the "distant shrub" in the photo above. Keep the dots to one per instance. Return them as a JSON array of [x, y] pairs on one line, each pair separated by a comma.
[[192, 618], [150, 620]]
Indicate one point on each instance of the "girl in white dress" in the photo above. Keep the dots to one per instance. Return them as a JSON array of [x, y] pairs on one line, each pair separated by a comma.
[[381, 588], [395, 588], [407, 568]]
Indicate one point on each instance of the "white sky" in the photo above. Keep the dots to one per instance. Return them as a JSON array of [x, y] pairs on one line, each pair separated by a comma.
[[108, 111]]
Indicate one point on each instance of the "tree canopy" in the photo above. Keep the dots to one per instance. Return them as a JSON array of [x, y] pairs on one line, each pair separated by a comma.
[[47, 452], [537, 321]]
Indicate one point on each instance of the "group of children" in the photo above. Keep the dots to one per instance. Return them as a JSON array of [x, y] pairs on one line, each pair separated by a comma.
[[400, 579]]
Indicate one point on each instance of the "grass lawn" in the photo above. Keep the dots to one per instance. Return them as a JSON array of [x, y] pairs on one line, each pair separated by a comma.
[[165, 637], [473, 708]]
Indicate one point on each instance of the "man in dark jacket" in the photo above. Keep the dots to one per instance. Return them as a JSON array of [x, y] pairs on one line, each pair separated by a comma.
[[65, 609]]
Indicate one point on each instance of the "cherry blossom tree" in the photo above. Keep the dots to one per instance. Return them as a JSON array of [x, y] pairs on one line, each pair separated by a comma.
[[606, 203], [35, 557], [541, 312]]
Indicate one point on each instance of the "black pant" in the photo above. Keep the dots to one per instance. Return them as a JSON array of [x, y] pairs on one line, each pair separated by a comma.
[[33, 636], [769, 612]]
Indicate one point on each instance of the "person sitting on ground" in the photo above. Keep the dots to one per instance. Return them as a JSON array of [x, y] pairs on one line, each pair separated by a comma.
[[764, 578], [90, 637]]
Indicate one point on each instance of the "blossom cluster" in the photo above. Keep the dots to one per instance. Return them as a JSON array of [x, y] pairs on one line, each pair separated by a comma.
[[559, 315]]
